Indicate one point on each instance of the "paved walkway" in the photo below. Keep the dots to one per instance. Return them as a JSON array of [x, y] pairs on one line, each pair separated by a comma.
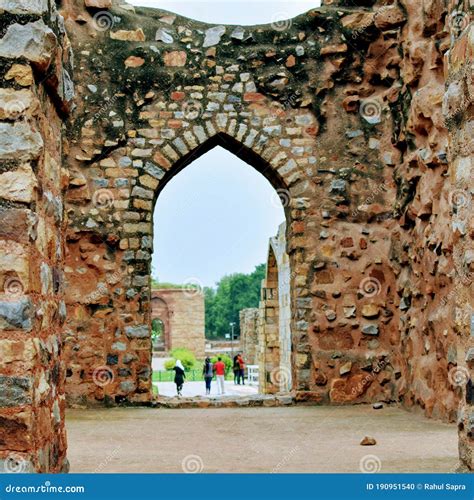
[[191, 389], [283, 439]]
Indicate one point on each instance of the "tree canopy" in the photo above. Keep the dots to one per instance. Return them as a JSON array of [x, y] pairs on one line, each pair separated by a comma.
[[233, 293]]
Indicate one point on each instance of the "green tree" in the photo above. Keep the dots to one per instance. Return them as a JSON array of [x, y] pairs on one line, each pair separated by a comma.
[[233, 293]]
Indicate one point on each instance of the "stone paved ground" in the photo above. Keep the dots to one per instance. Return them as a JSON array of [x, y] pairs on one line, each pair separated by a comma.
[[191, 389], [293, 439]]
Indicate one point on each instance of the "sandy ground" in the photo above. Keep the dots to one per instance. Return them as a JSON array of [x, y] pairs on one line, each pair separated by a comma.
[[191, 389], [287, 439]]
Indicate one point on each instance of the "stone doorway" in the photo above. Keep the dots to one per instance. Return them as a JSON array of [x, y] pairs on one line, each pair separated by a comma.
[[125, 359]]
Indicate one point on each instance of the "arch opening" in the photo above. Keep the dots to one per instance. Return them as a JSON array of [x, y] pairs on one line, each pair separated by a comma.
[[208, 288]]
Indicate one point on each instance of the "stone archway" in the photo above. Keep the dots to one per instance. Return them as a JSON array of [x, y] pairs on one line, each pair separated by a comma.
[[160, 311], [128, 318], [164, 101]]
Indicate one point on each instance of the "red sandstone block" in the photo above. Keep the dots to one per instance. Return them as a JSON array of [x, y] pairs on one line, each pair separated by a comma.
[[347, 242], [15, 430], [15, 224], [253, 97], [161, 160], [298, 227], [177, 96], [175, 123]]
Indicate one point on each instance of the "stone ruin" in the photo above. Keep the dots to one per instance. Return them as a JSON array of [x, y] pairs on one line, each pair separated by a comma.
[[360, 116], [181, 311]]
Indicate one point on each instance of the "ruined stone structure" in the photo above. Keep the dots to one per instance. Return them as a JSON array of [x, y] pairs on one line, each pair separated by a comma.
[[274, 320], [248, 320], [458, 113], [360, 117], [35, 99], [182, 313]]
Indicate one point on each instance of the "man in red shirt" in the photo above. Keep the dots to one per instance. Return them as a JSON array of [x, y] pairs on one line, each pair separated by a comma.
[[241, 375], [219, 367]]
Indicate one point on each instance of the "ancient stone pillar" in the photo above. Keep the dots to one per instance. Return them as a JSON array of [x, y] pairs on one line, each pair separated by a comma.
[[35, 95], [458, 112]]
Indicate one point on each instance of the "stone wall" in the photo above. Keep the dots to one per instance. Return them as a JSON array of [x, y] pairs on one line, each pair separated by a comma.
[[458, 108], [343, 116], [421, 252], [274, 349], [248, 321], [184, 323], [35, 96], [169, 90]]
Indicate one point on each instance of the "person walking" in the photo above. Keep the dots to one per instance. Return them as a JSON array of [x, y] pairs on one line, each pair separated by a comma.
[[219, 368], [179, 376], [208, 373], [236, 369], [241, 376]]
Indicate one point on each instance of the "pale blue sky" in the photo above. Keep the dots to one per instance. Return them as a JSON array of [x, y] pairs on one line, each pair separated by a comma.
[[215, 217], [243, 12]]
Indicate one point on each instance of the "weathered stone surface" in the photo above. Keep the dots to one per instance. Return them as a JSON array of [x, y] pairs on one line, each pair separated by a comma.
[[16, 314], [23, 75], [33, 41], [128, 36], [175, 58], [98, 4], [14, 104], [18, 185], [141, 331], [19, 141], [182, 314], [15, 391], [213, 36], [34, 7], [368, 441]]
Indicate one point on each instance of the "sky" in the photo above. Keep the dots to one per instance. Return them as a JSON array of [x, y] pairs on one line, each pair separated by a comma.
[[212, 219], [242, 12], [216, 216]]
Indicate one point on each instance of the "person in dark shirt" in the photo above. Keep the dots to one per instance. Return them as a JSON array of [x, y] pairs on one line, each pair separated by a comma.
[[208, 373], [236, 368], [179, 376]]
